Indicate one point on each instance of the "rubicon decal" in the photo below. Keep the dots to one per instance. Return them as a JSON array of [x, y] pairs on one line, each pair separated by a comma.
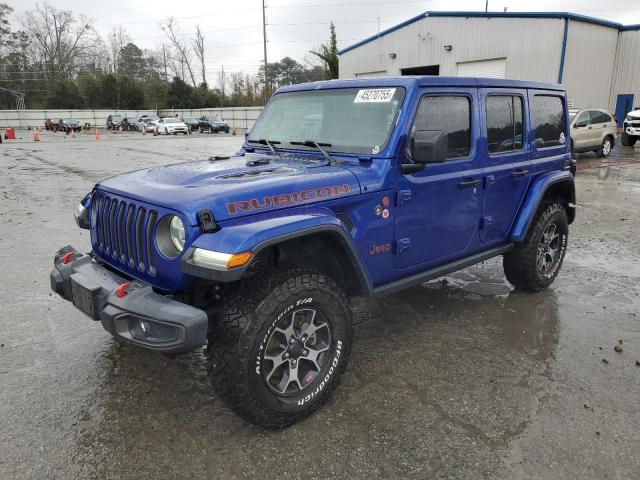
[[286, 199]]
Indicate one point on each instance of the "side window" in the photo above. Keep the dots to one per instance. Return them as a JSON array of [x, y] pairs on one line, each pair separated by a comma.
[[450, 113], [548, 121], [583, 119], [504, 123]]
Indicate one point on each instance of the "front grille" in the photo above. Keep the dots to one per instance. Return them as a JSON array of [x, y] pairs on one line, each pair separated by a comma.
[[124, 232], [634, 123]]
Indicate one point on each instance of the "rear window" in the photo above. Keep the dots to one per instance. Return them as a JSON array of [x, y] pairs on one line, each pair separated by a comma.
[[450, 113], [599, 117], [504, 123], [548, 121]]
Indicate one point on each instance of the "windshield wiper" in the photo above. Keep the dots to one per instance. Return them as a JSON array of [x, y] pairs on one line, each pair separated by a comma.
[[313, 143], [268, 143]]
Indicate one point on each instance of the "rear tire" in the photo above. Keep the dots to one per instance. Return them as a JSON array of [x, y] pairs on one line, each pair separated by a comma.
[[605, 148], [534, 263], [256, 323]]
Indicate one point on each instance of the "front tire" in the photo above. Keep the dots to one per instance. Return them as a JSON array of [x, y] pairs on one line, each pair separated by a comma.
[[279, 346], [627, 140], [534, 264], [605, 148]]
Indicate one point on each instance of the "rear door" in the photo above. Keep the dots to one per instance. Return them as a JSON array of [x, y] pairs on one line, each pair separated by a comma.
[[601, 123], [506, 160], [548, 131], [439, 207]]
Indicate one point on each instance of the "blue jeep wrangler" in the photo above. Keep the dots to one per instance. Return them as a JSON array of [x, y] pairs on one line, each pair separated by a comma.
[[341, 188]]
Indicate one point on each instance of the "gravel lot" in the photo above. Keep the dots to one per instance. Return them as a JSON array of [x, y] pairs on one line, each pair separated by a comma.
[[459, 378]]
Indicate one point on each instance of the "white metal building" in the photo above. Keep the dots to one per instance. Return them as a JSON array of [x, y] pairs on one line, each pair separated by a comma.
[[597, 61]]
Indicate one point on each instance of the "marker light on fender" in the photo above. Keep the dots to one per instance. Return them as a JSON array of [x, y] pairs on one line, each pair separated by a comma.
[[219, 260]]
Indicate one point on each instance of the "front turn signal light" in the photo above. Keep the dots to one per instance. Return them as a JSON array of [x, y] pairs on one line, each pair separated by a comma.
[[239, 259]]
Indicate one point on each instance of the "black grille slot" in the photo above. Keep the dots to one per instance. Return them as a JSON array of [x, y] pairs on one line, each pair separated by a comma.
[[153, 216], [130, 243], [139, 239], [124, 231]]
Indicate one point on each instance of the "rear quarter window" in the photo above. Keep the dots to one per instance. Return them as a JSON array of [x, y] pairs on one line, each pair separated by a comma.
[[548, 120]]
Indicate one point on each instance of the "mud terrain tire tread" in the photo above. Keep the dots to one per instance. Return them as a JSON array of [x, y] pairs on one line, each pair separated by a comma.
[[237, 327], [520, 263]]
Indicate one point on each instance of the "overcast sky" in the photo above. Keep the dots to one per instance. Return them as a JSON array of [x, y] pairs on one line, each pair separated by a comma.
[[234, 28]]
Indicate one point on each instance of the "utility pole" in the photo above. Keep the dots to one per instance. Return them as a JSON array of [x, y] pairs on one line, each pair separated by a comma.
[[264, 41], [486, 6], [164, 54]]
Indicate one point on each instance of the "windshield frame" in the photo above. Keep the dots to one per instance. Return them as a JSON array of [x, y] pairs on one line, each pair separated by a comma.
[[336, 149]]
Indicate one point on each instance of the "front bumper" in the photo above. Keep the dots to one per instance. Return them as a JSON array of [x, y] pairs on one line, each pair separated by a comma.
[[136, 314], [632, 130]]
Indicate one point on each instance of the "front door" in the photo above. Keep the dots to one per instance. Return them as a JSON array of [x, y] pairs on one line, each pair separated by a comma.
[[507, 160], [439, 208], [582, 134]]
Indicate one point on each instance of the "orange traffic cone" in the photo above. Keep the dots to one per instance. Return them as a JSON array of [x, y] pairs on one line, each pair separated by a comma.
[[189, 130], [155, 131], [233, 132], [120, 129], [73, 134], [36, 135], [144, 130], [97, 134]]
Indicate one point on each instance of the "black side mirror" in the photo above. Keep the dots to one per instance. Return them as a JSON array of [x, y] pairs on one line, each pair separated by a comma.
[[426, 146], [429, 146]]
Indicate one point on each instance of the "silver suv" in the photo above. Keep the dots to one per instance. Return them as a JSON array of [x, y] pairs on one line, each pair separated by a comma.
[[592, 130]]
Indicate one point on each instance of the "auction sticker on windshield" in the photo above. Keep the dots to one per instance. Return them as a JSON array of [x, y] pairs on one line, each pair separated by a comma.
[[374, 95]]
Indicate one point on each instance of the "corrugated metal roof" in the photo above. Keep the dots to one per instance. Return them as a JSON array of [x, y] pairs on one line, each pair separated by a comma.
[[567, 15]]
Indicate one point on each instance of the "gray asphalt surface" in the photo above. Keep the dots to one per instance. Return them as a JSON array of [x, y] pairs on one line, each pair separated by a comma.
[[462, 378]]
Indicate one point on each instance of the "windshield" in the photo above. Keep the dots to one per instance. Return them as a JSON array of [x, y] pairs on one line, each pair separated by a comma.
[[171, 120], [217, 119], [572, 115], [188, 119], [353, 120]]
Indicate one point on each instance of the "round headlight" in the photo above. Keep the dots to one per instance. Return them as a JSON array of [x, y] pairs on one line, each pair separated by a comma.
[[176, 231]]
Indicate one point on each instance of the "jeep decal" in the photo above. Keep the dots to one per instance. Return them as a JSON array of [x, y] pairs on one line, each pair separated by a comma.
[[286, 199]]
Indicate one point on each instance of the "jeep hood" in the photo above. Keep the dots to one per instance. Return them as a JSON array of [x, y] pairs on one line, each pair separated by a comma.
[[634, 113], [232, 188]]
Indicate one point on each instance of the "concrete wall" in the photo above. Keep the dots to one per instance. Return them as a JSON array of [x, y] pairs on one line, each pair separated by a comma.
[[532, 47], [237, 117], [589, 64]]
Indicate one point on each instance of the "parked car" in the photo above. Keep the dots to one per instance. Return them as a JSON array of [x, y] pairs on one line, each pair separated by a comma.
[[114, 121], [169, 125], [129, 123], [392, 191], [631, 128], [51, 125], [592, 130], [69, 125], [212, 124], [191, 123]]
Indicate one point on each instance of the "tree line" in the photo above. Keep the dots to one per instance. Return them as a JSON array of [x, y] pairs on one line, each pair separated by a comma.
[[59, 60]]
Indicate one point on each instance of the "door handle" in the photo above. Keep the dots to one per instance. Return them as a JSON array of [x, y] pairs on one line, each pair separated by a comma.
[[590, 127], [519, 173], [473, 182]]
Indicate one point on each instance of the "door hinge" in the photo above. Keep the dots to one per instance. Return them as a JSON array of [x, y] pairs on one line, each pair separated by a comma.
[[488, 180], [485, 222], [404, 196], [402, 244]]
